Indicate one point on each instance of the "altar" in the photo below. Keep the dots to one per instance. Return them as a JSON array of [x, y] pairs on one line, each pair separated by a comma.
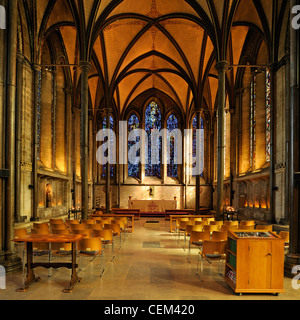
[[152, 205]]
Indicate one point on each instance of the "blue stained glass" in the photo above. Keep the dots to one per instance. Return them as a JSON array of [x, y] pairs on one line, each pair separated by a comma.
[[172, 168], [195, 127], [105, 126], [153, 120], [133, 169]]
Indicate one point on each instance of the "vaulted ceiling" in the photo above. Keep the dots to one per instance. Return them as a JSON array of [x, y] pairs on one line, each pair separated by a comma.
[[168, 45]]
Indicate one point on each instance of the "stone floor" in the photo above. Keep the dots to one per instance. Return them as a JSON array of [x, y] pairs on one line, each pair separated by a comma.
[[149, 264]]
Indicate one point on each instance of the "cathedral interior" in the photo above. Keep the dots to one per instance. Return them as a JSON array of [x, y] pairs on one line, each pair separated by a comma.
[[69, 69]]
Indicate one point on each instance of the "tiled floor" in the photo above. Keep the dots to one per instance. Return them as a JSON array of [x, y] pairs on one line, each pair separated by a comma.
[[151, 264]]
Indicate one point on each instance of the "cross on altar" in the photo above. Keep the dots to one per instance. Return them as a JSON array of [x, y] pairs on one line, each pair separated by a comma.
[[152, 206]]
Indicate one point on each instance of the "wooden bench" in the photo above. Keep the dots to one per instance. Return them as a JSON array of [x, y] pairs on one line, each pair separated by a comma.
[[135, 212], [168, 213]]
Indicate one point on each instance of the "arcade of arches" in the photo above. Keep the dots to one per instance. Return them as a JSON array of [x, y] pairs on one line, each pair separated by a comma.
[[71, 68]]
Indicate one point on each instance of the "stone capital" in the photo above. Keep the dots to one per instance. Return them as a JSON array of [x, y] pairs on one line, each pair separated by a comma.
[[36, 67], [221, 66], [85, 66]]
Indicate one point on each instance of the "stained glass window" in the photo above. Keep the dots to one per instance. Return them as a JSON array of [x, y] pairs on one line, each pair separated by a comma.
[[253, 121], [172, 167], [268, 116], [153, 120], [195, 127], [133, 169], [105, 126]]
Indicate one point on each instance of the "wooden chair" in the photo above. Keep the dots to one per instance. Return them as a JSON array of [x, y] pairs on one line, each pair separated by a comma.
[[43, 225], [197, 238], [182, 226], [60, 226], [212, 250], [178, 222], [231, 223], [78, 227], [60, 231], [219, 236], [211, 228], [88, 233], [96, 226], [56, 221], [208, 220], [198, 227], [247, 223], [88, 221], [106, 236], [264, 227], [91, 248], [217, 223]]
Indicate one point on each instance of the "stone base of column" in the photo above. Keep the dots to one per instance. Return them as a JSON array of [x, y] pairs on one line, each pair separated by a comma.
[[291, 260], [11, 262]]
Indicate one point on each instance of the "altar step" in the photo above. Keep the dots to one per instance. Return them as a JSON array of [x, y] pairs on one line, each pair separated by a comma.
[[152, 214]]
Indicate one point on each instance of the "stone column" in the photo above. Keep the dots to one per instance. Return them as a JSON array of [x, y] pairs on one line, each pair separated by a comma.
[[293, 258], [3, 42], [37, 74], [94, 162], [221, 68], [19, 108], [198, 177], [12, 262], [107, 112], [85, 67]]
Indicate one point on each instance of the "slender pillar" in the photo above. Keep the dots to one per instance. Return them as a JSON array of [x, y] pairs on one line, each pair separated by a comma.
[[85, 67], [19, 107], [221, 68], [293, 258], [108, 113], [198, 177], [12, 261], [37, 82], [3, 37]]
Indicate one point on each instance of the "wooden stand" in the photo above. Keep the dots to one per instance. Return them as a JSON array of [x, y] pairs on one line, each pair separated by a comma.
[[255, 262]]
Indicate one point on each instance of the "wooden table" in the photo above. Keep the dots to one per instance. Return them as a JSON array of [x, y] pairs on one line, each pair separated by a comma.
[[52, 238], [130, 216], [186, 216]]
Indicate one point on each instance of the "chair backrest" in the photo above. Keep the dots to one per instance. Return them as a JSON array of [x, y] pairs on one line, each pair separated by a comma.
[[211, 228], [61, 246], [196, 220], [189, 228], [58, 226], [208, 219], [105, 235], [78, 227], [56, 221], [264, 227], [116, 228], [199, 236], [60, 231], [219, 235], [107, 226], [90, 245], [43, 225], [19, 233], [197, 227], [70, 222], [247, 223], [216, 223], [211, 247], [88, 233], [231, 223], [183, 224], [40, 231], [88, 221]]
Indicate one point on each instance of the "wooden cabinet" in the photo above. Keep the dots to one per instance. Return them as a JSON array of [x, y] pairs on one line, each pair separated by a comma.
[[255, 262]]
